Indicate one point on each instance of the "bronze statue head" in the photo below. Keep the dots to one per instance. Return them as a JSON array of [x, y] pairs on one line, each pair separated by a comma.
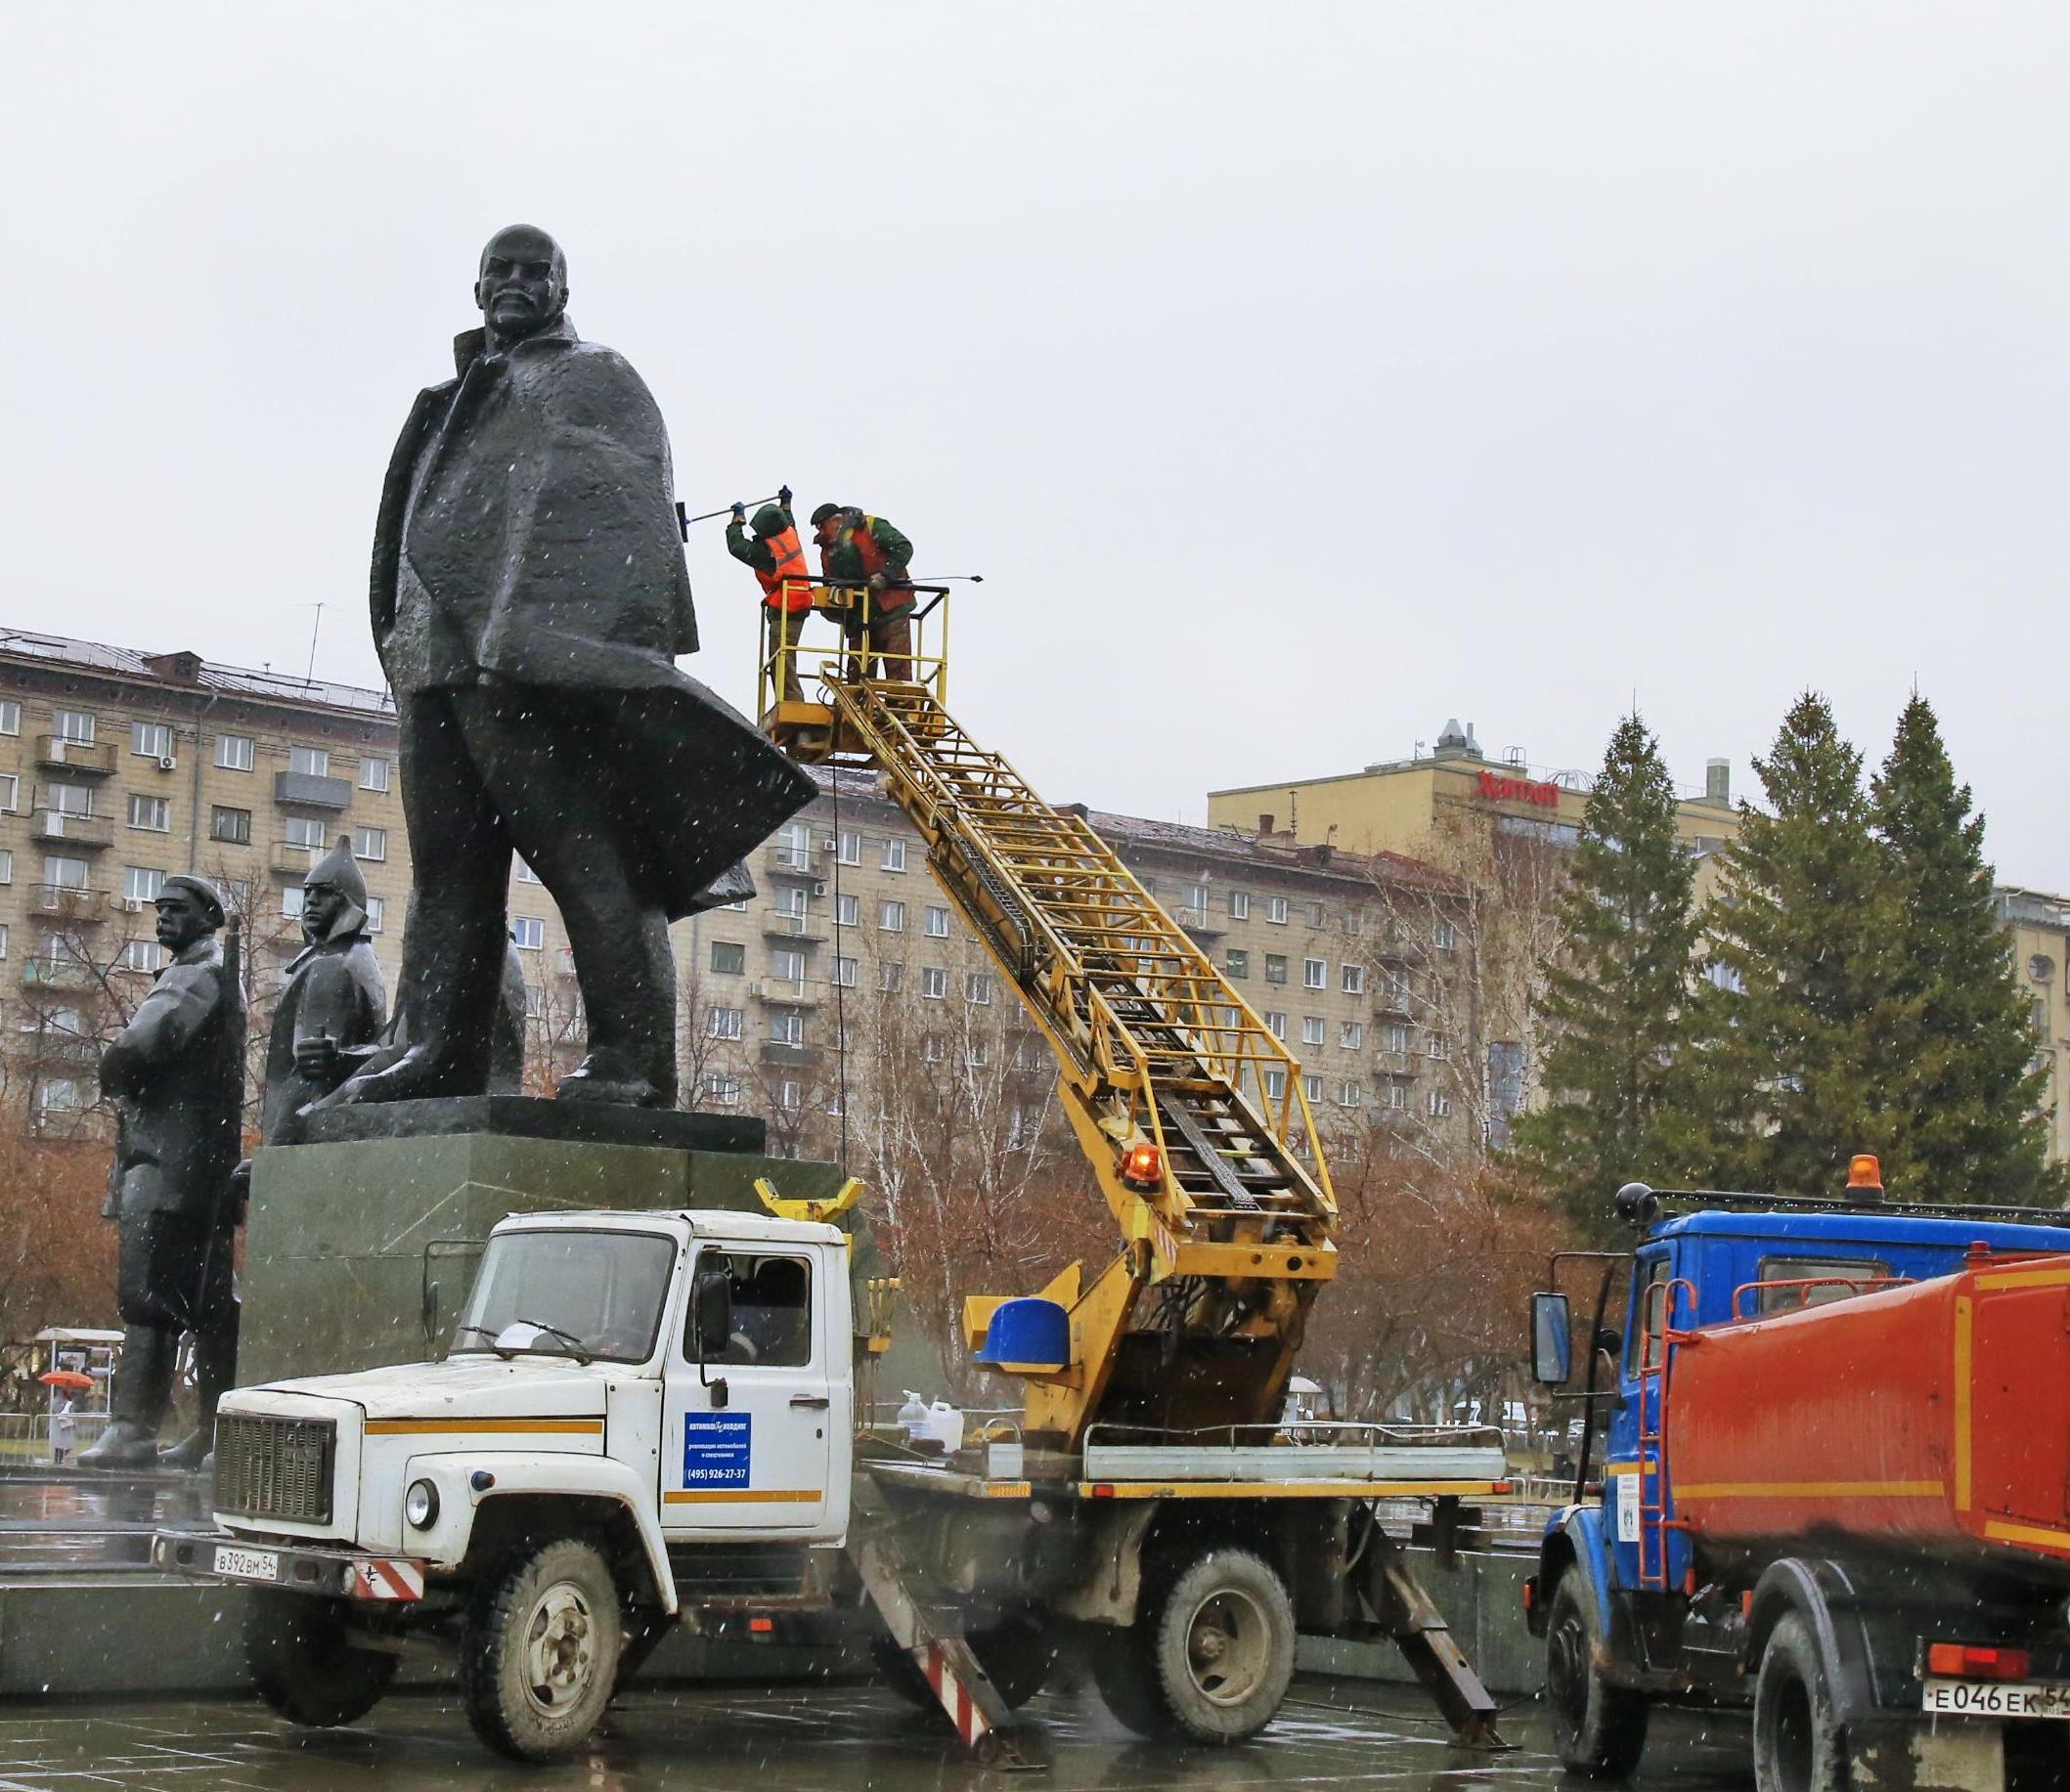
[[523, 286], [189, 909]]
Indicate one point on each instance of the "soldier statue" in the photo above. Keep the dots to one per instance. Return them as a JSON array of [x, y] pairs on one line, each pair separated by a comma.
[[177, 1075], [529, 599], [328, 1022]]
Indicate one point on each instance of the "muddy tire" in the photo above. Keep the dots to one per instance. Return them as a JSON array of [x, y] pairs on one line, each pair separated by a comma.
[[539, 1649], [1797, 1742], [302, 1665], [1598, 1730], [1210, 1656]]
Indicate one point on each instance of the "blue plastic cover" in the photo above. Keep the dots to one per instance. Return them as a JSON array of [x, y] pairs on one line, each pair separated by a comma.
[[1030, 1331]]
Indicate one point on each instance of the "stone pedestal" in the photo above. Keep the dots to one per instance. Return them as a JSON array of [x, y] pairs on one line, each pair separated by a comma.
[[361, 1241]]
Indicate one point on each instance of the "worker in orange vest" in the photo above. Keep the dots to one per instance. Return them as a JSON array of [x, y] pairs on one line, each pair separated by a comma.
[[773, 553], [867, 550]]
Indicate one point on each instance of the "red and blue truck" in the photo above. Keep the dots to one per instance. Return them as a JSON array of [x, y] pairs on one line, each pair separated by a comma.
[[1834, 1486]]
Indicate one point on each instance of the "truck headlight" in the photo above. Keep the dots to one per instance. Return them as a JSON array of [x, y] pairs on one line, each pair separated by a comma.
[[420, 1506]]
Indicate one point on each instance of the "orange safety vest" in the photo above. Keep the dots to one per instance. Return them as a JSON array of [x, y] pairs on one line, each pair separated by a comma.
[[786, 587], [874, 561]]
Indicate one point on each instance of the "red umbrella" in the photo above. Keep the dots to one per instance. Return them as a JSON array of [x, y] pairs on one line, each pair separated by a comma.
[[69, 1378]]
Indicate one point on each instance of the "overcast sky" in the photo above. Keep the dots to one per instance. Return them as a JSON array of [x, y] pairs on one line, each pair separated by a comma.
[[1296, 376]]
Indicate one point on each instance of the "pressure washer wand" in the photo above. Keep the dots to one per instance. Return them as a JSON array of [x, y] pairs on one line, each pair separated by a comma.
[[947, 579], [684, 521]]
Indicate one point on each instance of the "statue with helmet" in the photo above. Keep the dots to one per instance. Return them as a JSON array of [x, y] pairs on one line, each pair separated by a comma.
[[328, 1023]]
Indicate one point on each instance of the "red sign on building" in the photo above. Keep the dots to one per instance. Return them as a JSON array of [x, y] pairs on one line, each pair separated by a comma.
[[1519, 790]]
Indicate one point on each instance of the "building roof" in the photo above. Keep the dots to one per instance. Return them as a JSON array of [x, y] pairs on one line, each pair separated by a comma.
[[1234, 845], [172, 671]]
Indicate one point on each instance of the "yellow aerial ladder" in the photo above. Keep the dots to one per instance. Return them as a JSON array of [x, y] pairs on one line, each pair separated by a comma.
[[1186, 1106]]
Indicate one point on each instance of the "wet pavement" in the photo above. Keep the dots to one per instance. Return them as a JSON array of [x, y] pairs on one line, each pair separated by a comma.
[[58, 1520], [1332, 1734]]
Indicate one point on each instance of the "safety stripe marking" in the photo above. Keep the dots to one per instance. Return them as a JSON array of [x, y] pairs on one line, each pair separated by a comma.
[[2026, 1278], [411, 1427], [2026, 1533], [1786, 1490], [754, 1496], [388, 1580], [953, 1695], [1965, 1341]]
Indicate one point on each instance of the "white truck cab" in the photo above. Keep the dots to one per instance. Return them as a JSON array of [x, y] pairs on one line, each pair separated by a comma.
[[638, 1410]]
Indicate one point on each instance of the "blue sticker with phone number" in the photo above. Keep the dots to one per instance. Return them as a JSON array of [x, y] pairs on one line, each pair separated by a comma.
[[716, 1449]]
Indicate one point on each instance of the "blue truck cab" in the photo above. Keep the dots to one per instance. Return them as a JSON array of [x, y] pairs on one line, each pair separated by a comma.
[[1613, 1598]]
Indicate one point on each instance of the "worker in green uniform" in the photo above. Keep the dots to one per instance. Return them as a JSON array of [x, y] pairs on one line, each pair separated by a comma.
[[856, 549], [772, 553]]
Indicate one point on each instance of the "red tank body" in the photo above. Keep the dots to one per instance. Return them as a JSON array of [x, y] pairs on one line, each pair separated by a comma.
[[1934, 1416]]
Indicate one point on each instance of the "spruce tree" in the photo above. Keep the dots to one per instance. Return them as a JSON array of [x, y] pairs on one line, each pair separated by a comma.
[[1807, 927], [1618, 1001], [1963, 1071]]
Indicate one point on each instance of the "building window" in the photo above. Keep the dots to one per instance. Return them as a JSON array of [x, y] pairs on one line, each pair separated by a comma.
[[141, 884], [1352, 979], [891, 917], [1276, 911], [1311, 1029], [309, 762], [71, 799], [370, 843], [936, 923], [1196, 900], [1275, 967], [307, 831], [727, 958], [789, 1097], [851, 851], [376, 909], [1397, 1038], [724, 1022], [1239, 905], [1275, 1085], [65, 873], [848, 910], [792, 903], [891, 977], [1444, 936], [237, 894], [1315, 974], [893, 858], [10, 793], [526, 875], [977, 988], [1312, 1087], [150, 739], [1027, 1052], [794, 846], [75, 726], [787, 1026], [373, 774], [151, 814], [787, 965], [930, 1048], [1276, 1024], [1436, 1104], [233, 825], [721, 1091], [233, 752], [934, 982], [1351, 1035], [291, 901], [138, 955], [7, 866], [1350, 1094], [9, 717], [1317, 914], [1239, 962], [528, 933], [845, 972], [3, 939], [57, 1095], [1396, 1096], [1438, 1044], [977, 1054]]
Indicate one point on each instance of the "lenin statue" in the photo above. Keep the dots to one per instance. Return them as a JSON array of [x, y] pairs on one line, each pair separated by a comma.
[[177, 1075], [529, 599]]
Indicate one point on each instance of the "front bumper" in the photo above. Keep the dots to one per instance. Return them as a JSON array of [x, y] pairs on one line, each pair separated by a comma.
[[339, 1574]]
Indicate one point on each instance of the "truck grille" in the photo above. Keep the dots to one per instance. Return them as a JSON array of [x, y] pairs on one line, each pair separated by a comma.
[[275, 1468]]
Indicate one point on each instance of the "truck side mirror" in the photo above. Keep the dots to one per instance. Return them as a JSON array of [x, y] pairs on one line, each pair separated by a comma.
[[1552, 1341], [712, 1310]]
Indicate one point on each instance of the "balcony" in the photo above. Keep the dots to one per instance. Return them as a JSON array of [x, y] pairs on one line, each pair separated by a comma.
[[791, 929], [1393, 1000], [56, 1049], [89, 759], [782, 992], [89, 831], [791, 1057], [1201, 923], [286, 859], [305, 789], [73, 904], [1395, 1063], [785, 861], [65, 974]]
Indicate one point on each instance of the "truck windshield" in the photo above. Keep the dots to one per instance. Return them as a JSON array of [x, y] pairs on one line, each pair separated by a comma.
[[605, 1288]]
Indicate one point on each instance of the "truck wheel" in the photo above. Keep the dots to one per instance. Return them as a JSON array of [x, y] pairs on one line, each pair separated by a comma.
[[1798, 1746], [1599, 1730], [539, 1653], [302, 1664], [1210, 1656]]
